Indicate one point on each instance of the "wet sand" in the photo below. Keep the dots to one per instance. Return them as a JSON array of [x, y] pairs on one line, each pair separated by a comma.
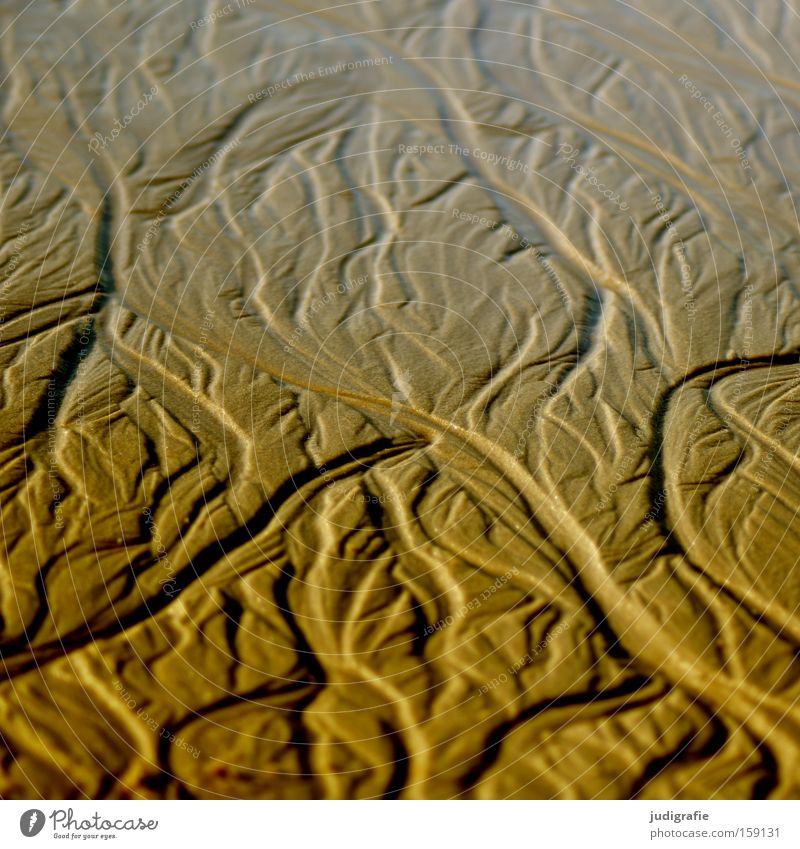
[[399, 400]]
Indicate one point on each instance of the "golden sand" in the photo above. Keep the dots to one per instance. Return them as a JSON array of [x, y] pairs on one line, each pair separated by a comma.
[[399, 400]]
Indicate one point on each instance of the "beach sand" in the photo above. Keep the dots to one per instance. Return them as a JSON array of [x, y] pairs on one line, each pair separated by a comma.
[[399, 400]]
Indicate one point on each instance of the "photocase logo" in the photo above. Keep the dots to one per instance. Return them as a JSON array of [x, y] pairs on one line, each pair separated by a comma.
[[31, 822], [65, 824]]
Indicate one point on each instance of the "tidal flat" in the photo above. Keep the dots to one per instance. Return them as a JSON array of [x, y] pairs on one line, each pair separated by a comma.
[[399, 400]]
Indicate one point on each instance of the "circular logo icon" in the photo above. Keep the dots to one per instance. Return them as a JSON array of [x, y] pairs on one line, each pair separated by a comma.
[[31, 822]]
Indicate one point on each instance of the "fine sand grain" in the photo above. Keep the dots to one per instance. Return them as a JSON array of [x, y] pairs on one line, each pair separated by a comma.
[[399, 399]]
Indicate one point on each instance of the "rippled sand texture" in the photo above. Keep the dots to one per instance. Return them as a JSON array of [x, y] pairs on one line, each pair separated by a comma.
[[315, 484]]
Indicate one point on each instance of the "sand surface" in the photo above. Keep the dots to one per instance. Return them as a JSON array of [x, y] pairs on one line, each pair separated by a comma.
[[399, 399]]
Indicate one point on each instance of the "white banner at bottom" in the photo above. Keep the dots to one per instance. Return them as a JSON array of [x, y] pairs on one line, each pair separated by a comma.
[[402, 825]]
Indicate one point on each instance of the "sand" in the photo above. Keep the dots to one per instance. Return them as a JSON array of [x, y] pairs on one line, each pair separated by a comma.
[[399, 400]]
